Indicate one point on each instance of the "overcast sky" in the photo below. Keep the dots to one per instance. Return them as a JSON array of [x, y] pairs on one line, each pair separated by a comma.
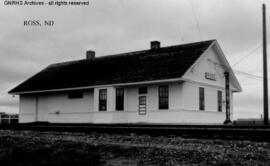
[[117, 26]]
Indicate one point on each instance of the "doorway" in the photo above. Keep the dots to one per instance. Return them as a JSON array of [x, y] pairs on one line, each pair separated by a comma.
[[142, 105]]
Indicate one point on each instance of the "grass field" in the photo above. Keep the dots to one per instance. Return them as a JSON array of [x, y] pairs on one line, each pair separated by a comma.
[[69, 149]]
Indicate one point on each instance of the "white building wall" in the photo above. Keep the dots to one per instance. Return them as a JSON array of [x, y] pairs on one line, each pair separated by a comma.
[[57, 108], [27, 109], [160, 117], [42, 108], [132, 99], [183, 107], [110, 98], [65, 110], [196, 76], [132, 96], [209, 63], [191, 97], [152, 97], [175, 96], [186, 117]]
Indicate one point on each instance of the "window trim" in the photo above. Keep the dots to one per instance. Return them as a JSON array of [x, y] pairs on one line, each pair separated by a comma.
[[100, 100], [201, 99], [219, 101], [164, 97], [119, 98]]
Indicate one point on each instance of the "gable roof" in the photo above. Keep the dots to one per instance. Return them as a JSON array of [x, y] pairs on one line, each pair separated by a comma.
[[236, 87], [147, 65]]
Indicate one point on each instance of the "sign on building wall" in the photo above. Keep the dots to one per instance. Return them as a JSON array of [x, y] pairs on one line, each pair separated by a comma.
[[210, 76]]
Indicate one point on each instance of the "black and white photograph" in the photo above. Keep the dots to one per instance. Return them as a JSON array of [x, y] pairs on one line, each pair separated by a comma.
[[134, 83]]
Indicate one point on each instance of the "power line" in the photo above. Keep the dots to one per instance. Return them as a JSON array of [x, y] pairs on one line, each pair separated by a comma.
[[256, 83], [250, 75], [245, 73], [244, 57], [250, 53], [196, 19]]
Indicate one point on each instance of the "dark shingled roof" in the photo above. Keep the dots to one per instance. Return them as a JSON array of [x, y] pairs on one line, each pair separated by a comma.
[[148, 65]]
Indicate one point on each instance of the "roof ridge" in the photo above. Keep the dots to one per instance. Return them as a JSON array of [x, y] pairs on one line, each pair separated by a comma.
[[128, 53], [166, 47]]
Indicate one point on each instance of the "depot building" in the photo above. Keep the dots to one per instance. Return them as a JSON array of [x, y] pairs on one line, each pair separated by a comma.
[[180, 84]]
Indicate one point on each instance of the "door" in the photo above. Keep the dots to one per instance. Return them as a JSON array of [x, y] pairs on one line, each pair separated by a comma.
[[42, 112], [142, 105]]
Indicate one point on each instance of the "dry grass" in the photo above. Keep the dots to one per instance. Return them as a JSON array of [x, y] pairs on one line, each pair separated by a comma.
[[53, 148]]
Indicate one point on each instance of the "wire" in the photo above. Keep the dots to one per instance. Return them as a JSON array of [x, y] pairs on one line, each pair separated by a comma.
[[244, 57], [245, 73], [256, 83], [250, 75], [196, 19], [250, 53]]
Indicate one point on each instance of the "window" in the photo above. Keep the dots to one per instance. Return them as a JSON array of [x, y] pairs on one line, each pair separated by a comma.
[[102, 99], [201, 98], [142, 105], [119, 99], [142, 100], [163, 93], [75, 95], [143, 90], [219, 100]]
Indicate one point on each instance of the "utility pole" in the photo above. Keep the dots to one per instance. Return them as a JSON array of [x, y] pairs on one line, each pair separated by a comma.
[[227, 95], [265, 79]]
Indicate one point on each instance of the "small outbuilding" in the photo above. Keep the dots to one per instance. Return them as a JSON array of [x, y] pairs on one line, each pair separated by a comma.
[[181, 84]]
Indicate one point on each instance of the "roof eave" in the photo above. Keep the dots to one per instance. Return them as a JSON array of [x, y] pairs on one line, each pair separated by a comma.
[[238, 86], [215, 43], [98, 86], [199, 59]]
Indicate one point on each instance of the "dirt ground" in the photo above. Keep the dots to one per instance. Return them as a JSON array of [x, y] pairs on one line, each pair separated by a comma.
[[55, 148]]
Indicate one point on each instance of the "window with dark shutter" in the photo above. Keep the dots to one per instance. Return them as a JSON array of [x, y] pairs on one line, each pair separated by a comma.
[[102, 99], [219, 100], [163, 93], [201, 99], [119, 99]]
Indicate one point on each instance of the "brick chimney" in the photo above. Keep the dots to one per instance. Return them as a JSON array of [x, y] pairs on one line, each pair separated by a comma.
[[155, 45], [90, 55]]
